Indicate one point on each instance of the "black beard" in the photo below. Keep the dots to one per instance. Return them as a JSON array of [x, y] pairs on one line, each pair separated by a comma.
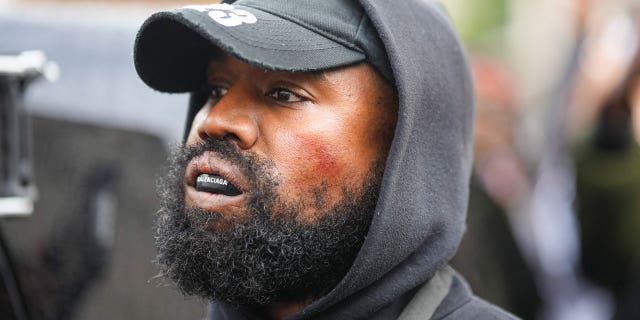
[[269, 256]]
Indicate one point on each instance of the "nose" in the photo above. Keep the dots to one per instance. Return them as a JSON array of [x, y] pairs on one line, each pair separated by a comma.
[[232, 117]]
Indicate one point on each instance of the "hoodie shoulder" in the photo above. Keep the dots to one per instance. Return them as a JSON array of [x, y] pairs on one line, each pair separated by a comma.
[[478, 309], [461, 304]]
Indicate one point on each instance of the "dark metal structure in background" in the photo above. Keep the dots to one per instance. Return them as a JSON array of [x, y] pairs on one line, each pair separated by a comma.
[[99, 139], [17, 188], [17, 72]]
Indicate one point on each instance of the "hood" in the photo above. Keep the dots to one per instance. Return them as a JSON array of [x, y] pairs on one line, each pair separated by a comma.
[[420, 215], [419, 219]]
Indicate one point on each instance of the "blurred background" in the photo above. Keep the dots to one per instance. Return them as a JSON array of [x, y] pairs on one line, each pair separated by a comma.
[[554, 214]]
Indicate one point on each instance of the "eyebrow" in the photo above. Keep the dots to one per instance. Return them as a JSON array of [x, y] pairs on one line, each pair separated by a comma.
[[317, 74]]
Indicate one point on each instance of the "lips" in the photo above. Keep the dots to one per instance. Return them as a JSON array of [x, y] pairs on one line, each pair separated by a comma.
[[214, 184]]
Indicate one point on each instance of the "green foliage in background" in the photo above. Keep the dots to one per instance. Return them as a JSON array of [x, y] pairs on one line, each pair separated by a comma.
[[480, 23]]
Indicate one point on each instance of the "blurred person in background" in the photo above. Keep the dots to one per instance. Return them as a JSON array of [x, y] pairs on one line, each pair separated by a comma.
[[607, 157], [540, 190], [489, 255]]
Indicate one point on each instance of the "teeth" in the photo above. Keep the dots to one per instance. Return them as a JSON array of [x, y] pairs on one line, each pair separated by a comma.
[[215, 184]]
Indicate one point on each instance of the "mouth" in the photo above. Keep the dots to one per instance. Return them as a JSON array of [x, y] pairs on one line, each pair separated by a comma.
[[214, 185]]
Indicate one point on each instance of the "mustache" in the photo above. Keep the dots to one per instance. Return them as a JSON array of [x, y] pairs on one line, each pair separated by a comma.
[[169, 184], [256, 168], [224, 149]]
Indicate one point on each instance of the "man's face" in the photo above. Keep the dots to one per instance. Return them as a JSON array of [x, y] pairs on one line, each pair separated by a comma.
[[317, 129], [306, 151]]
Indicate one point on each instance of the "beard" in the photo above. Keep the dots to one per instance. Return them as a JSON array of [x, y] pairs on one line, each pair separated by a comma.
[[270, 255]]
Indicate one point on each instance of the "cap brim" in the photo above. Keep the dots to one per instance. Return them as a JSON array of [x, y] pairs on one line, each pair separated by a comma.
[[173, 48]]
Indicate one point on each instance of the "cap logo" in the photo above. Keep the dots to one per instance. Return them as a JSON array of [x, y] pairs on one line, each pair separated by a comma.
[[225, 14]]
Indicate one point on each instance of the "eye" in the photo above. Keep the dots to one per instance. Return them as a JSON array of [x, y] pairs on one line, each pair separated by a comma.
[[284, 95], [217, 92]]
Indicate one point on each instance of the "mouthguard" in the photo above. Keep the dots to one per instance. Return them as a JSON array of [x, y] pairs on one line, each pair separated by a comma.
[[216, 184]]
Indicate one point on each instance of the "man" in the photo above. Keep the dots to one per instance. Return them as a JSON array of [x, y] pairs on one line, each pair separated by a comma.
[[327, 154]]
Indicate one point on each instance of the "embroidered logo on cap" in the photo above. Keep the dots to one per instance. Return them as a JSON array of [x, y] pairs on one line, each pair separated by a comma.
[[225, 14]]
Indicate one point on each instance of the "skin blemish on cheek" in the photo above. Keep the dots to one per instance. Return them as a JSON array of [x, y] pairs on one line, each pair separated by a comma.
[[323, 157], [311, 157]]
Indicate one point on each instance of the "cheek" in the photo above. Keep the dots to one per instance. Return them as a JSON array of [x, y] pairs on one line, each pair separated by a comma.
[[325, 160], [196, 122], [311, 159]]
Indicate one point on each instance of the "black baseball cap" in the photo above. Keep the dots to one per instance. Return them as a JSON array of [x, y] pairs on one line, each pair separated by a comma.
[[173, 48]]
